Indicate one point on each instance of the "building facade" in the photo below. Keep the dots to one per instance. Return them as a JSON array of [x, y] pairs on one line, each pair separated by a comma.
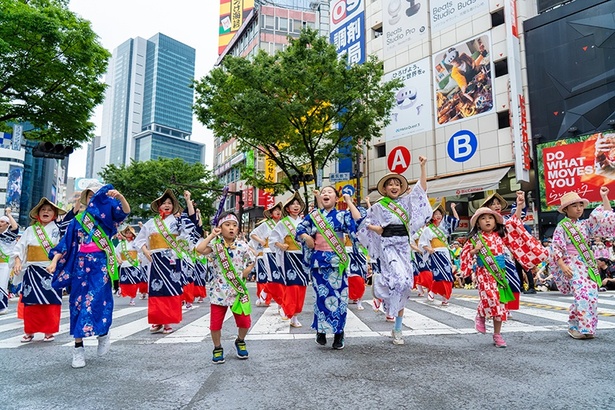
[[147, 111]]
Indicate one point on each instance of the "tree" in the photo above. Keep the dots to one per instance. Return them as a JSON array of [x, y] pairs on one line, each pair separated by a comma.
[[51, 63], [142, 182], [297, 107]]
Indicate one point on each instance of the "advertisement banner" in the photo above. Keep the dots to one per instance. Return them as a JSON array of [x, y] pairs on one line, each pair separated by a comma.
[[232, 15], [13, 188], [446, 13], [463, 82], [270, 171], [349, 39], [412, 114], [403, 23], [581, 164]]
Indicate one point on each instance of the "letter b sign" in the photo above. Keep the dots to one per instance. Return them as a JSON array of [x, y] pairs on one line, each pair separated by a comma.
[[462, 146]]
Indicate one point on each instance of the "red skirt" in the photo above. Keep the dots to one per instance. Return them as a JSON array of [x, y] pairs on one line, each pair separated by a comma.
[[443, 288], [143, 288], [276, 290], [164, 310], [356, 288], [129, 289], [20, 307], [514, 304], [188, 295], [199, 292], [263, 287], [294, 297], [41, 318], [425, 279]]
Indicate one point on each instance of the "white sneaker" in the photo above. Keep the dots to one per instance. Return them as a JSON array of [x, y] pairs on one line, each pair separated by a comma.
[[78, 357], [397, 337], [104, 342]]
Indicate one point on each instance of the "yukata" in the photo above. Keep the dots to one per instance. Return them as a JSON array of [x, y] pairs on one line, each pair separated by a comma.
[[200, 276], [357, 270], [512, 274], [86, 268], [42, 303], [7, 244], [422, 275], [489, 305], [439, 262], [394, 284], [290, 265], [130, 270], [583, 313], [266, 264], [329, 281], [165, 277]]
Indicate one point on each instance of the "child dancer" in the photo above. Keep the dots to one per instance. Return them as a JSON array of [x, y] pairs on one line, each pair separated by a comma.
[[85, 260], [231, 261], [572, 261], [486, 247], [385, 232], [322, 231], [434, 240], [289, 258], [130, 268]]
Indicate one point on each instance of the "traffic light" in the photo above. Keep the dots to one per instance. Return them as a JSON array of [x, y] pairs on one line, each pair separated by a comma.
[[51, 150]]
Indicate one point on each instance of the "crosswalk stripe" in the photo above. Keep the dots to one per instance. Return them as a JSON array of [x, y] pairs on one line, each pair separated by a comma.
[[194, 332]]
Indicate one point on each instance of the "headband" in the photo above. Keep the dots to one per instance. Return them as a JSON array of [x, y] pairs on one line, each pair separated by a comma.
[[229, 217]]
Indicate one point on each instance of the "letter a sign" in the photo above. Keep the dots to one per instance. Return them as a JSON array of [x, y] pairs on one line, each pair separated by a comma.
[[398, 160]]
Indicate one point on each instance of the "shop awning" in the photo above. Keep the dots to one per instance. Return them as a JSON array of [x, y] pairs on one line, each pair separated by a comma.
[[466, 184]]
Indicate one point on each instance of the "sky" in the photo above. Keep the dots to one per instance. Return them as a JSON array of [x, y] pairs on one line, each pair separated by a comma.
[[193, 22]]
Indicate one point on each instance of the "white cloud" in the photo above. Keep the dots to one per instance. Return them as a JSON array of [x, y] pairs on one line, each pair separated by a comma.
[[193, 22]]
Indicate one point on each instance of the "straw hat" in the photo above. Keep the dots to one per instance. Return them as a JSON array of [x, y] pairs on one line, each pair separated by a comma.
[[267, 212], [130, 229], [168, 193], [482, 211], [45, 201], [402, 180], [440, 207], [495, 196], [570, 198], [92, 187], [296, 196]]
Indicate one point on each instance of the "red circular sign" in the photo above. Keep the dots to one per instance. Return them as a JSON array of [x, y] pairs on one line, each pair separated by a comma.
[[398, 160]]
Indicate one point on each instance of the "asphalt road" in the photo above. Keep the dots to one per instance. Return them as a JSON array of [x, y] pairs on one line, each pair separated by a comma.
[[445, 363]]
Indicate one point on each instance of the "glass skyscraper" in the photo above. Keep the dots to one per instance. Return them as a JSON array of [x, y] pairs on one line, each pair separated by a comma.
[[147, 112]]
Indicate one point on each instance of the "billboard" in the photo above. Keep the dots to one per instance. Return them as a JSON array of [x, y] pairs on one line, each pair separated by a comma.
[[412, 113], [445, 13], [463, 80], [403, 24], [581, 164], [13, 188], [348, 30], [232, 15]]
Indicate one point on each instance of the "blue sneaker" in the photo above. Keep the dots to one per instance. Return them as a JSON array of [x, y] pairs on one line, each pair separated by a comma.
[[242, 351], [218, 356]]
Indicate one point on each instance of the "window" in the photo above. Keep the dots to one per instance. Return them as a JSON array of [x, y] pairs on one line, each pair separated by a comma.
[[497, 18], [501, 67], [381, 150], [503, 119], [282, 24]]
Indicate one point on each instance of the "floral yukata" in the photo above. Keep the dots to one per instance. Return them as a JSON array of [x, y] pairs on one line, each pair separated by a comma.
[[583, 313], [330, 283], [396, 280], [515, 242], [221, 292]]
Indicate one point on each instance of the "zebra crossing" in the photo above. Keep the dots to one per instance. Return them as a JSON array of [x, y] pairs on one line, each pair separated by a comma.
[[421, 318]]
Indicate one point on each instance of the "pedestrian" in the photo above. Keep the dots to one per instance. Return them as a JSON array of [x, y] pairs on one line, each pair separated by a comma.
[[423, 278], [42, 303], [572, 261], [322, 232], [231, 260], [8, 237], [289, 258], [265, 261], [434, 241], [486, 251], [85, 260], [607, 274], [130, 268], [159, 240], [386, 231]]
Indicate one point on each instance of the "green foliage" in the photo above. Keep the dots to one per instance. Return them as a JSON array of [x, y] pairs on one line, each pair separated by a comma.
[[297, 106], [51, 64], [142, 182]]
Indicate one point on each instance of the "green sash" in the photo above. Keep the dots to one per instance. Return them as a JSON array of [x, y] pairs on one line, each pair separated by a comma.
[[438, 232], [126, 255], [292, 232], [498, 273], [241, 306], [326, 230], [581, 246], [270, 223], [42, 237], [401, 213], [101, 239], [173, 243]]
